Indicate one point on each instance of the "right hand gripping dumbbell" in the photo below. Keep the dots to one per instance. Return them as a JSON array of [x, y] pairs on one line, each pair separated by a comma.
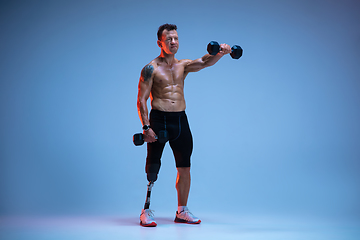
[[162, 137], [214, 47]]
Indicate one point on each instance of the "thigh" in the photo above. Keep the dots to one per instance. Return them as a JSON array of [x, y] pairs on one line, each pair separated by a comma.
[[153, 159], [155, 149], [182, 146]]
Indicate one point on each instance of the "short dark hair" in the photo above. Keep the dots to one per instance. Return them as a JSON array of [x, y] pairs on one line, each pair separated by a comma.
[[165, 26]]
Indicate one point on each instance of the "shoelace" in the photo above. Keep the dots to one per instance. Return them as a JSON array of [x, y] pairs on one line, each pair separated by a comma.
[[150, 213], [187, 214]]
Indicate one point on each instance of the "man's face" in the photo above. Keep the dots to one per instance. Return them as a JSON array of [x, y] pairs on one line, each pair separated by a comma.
[[169, 41]]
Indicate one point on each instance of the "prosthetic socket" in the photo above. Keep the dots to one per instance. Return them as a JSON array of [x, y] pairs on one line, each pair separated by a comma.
[[151, 177]]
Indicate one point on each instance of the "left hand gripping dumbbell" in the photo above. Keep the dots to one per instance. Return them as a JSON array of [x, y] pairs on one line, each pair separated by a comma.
[[214, 47], [162, 137]]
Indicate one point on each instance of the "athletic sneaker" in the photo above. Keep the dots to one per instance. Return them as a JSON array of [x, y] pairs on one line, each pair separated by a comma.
[[147, 218], [185, 216]]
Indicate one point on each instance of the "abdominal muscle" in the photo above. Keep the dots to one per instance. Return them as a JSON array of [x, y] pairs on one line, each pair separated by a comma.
[[168, 101]]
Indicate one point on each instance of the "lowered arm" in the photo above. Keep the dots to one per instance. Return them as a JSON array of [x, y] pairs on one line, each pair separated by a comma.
[[145, 85]]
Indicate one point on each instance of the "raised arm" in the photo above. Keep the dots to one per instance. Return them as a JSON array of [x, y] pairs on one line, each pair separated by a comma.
[[207, 60]]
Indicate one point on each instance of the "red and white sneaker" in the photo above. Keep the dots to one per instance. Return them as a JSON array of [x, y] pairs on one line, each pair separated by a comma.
[[185, 216], [147, 218]]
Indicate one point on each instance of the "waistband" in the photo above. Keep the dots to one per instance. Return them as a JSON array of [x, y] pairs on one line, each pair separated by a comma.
[[167, 114]]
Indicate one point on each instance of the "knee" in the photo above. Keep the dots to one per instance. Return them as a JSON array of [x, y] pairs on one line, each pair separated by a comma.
[[183, 171], [152, 171]]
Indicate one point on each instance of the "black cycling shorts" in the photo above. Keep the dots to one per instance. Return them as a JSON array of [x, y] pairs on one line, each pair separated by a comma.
[[180, 139]]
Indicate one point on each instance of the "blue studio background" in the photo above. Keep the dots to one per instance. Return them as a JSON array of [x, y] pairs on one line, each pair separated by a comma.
[[275, 132]]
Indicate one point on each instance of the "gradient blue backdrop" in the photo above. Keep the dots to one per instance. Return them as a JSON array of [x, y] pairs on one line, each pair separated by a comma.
[[275, 132]]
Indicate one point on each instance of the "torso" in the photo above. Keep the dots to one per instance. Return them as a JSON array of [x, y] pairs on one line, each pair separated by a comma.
[[167, 93]]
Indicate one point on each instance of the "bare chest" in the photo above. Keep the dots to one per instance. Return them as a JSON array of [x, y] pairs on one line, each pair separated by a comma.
[[169, 74]]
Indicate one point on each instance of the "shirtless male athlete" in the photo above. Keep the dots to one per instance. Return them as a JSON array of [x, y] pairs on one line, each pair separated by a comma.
[[163, 81]]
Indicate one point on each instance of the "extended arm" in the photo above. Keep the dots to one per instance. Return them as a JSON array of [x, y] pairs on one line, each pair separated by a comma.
[[207, 60]]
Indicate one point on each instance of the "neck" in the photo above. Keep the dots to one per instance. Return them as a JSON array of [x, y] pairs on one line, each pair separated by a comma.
[[168, 58]]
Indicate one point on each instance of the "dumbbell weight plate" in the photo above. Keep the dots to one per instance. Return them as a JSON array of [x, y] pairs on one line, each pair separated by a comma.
[[236, 52], [138, 139], [213, 48]]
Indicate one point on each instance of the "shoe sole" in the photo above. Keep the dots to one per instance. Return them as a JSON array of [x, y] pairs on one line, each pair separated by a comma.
[[153, 224], [179, 220]]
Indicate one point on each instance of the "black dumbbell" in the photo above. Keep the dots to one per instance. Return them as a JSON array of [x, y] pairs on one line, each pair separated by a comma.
[[162, 137], [213, 48]]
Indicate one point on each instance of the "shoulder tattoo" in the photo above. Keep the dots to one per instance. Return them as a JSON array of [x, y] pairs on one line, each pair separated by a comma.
[[147, 72]]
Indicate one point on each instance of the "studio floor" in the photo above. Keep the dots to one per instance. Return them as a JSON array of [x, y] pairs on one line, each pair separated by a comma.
[[212, 227]]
